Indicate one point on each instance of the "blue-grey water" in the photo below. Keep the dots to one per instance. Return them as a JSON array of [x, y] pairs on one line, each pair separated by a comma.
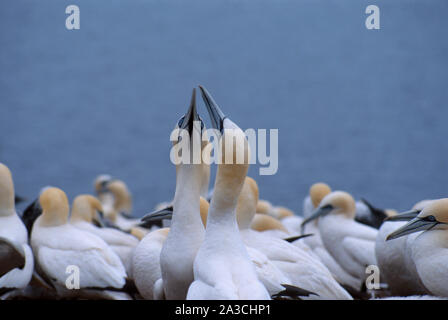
[[364, 110]]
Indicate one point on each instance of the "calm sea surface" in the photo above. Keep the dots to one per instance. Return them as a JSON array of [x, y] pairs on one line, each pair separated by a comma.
[[365, 111]]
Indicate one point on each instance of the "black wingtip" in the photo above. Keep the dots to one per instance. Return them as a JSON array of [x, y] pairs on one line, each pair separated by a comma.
[[19, 199], [292, 292], [292, 239]]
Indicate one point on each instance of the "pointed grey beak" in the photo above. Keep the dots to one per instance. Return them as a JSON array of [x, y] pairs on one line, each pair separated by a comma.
[[191, 116], [404, 216], [415, 225], [319, 212], [216, 115], [165, 213]]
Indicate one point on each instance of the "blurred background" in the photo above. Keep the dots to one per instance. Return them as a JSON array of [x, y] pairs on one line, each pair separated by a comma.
[[363, 110]]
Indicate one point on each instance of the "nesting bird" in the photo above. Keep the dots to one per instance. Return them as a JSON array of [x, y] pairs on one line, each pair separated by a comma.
[[350, 243], [86, 210], [16, 257], [58, 245], [429, 248]]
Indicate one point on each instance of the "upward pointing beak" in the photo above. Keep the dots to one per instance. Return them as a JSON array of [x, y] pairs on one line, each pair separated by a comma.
[[316, 214], [192, 115], [404, 216], [216, 115], [415, 225]]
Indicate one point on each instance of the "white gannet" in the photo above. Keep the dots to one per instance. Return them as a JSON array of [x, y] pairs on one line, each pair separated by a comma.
[[57, 245], [269, 225], [16, 256], [146, 264], [317, 192], [277, 212], [394, 258], [119, 213], [222, 268], [146, 260], [186, 229], [350, 243], [296, 263], [269, 274], [85, 210], [430, 248]]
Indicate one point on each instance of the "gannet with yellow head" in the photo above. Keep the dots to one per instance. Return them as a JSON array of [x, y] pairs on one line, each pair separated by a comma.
[[394, 258], [146, 259], [117, 203], [350, 243], [58, 245], [16, 257], [317, 192], [87, 209], [429, 249], [296, 262], [186, 229], [222, 268]]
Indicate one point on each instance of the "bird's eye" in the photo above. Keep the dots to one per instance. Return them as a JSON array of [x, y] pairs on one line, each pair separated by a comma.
[[430, 219]]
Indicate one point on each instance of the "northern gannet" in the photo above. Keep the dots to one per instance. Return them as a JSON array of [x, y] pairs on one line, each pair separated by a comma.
[[85, 210], [58, 245], [116, 200], [146, 260], [186, 229], [296, 263], [16, 256], [429, 249], [265, 207], [269, 225], [316, 193], [350, 243], [222, 268], [394, 258]]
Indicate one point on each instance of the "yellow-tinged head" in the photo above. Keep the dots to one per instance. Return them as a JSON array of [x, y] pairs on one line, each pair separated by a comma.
[[419, 206], [247, 203], [263, 222], [337, 202], [318, 191], [264, 206], [391, 212], [341, 202], [122, 196], [438, 209], [203, 209], [55, 207], [232, 154], [139, 233], [101, 181], [283, 212], [434, 216], [7, 206], [86, 208]]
